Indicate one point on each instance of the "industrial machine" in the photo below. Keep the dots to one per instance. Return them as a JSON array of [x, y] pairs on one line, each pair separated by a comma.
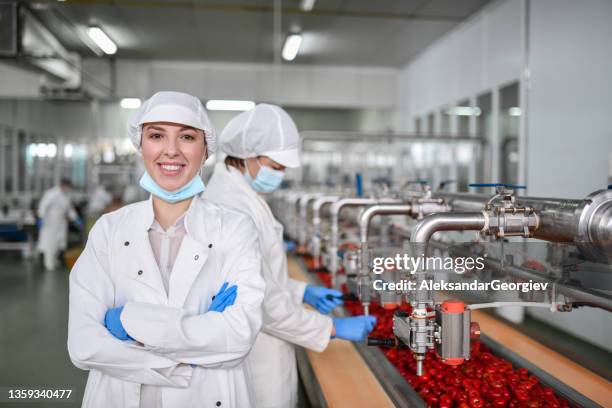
[[344, 234]]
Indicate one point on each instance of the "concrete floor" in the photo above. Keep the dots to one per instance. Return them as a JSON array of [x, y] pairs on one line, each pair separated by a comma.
[[33, 328]]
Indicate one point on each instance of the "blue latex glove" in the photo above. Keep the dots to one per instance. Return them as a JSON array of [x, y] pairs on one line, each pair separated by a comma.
[[354, 328], [224, 298], [39, 223], [289, 245], [323, 299], [112, 322], [79, 223]]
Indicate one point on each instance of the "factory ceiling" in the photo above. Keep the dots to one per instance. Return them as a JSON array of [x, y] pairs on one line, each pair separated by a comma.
[[336, 32]]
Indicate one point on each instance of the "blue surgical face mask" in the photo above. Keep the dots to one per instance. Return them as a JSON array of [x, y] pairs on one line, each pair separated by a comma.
[[195, 186], [267, 179]]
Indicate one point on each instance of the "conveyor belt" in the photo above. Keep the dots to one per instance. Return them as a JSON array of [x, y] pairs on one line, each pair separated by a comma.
[[354, 375], [571, 380], [562, 373], [344, 378]]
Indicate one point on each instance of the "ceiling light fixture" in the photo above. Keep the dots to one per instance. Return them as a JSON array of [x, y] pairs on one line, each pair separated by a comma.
[[307, 5], [514, 111], [130, 103], [102, 40], [291, 46], [464, 111], [228, 105]]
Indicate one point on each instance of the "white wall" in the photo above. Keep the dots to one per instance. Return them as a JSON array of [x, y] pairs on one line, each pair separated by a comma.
[[99, 121], [570, 126], [568, 129], [570, 99], [480, 54], [16, 82], [287, 85]]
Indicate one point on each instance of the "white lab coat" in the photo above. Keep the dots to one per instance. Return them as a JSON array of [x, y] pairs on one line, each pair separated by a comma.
[[285, 321], [118, 268], [55, 210]]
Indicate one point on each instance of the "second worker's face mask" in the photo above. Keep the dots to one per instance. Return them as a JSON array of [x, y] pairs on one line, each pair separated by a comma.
[[267, 179], [194, 187]]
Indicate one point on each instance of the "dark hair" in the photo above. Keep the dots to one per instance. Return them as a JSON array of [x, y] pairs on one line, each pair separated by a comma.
[[234, 162], [65, 182]]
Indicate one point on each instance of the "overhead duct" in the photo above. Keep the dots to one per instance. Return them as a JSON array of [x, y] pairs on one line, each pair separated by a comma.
[[25, 40], [9, 29], [41, 49]]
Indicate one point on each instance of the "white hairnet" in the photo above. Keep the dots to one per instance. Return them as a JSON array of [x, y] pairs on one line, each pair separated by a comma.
[[265, 130], [174, 107]]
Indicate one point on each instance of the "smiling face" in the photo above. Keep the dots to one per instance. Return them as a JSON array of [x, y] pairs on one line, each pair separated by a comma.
[[172, 153]]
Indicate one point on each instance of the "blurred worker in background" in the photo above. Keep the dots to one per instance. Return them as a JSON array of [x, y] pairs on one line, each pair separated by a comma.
[[260, 144], [97, 203], [54, 211], [131, 194], [165, 300]]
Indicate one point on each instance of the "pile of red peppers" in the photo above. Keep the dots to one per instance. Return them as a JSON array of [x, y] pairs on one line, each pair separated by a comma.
[[483, 381]]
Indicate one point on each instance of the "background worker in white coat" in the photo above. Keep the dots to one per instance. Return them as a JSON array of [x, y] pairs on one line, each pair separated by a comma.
[[165, 300], [55, 210], [100, 198], [260, 143]]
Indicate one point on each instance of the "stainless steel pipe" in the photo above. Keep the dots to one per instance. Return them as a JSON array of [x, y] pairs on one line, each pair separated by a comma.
[[422, 232], [379, 209]]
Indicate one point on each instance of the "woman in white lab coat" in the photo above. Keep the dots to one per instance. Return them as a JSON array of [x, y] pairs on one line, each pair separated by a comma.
[[55, 210], [260, 143], [151, 316]]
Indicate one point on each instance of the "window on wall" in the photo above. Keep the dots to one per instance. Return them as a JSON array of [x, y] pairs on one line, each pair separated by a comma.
[[483, 129], [21, 162], [463, 121], [465, 155], [431, 121], [509, 121], [6, 145], [445, 118]]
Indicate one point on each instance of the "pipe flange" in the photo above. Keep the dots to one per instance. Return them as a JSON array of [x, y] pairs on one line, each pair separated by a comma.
[[594, 224]]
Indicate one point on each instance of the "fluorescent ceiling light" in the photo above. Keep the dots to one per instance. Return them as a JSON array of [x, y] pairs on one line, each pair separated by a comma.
[[227, 105], [292, 47], [307, 5], [51, 149], [515, 111], [130, 103], [464, 111], [102, 40], [68, 150]]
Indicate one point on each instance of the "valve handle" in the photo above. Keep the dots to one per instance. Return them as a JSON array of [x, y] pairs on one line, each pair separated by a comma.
[[359, 184], [382, 341], [444, 183], [421, 182], [345, 297]]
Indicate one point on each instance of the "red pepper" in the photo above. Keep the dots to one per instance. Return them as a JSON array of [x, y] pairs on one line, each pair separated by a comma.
[[483, 381], [445, 401]]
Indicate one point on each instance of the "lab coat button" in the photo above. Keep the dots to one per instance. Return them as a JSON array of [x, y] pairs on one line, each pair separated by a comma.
[[210, 245], [196, 257], [140, 272], [126, 243], [218, 403]]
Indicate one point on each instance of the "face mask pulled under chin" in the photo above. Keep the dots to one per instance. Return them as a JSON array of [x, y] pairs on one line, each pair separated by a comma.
[[267, 179], [194, 187]]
